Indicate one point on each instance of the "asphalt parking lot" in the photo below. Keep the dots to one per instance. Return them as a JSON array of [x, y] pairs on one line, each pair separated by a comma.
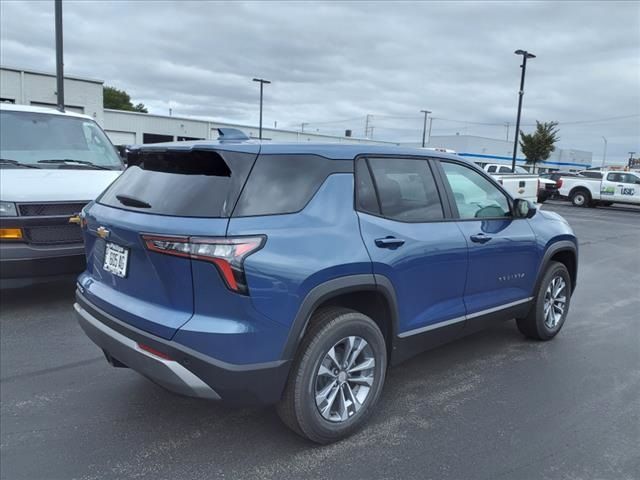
[[489, 406]]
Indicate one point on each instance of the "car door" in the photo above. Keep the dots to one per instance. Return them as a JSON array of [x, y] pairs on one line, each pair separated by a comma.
[[625, 187], [503, 256], [412, 243]]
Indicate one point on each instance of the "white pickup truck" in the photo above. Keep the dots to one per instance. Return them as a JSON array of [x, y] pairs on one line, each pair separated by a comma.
[[520, 184], [614, 187]]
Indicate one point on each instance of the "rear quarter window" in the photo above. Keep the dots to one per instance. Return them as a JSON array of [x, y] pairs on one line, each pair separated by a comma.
[[280, 184]]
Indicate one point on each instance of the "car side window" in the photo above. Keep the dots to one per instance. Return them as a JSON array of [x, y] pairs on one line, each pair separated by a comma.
[[366, 199], [474, 195], [614, 177], [406, 189]]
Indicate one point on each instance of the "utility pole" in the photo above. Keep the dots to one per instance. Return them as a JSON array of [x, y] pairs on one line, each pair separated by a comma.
[[59, 57], [302, 126], [604, 154], [507, 124], [366, 126], [424, 126], [262, 81], [430, 125], [525, 56]]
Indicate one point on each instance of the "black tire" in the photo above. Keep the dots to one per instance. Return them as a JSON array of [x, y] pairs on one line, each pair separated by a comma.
[[297, 408], [581, 198], [534, 324]]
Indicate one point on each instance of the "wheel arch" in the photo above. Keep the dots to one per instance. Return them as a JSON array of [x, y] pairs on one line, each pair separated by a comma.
[[369, 294], [564, 252]]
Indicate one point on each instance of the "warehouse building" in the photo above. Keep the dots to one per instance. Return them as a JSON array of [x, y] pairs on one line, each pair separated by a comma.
[[84, 95], [126, 128], [484, 150]]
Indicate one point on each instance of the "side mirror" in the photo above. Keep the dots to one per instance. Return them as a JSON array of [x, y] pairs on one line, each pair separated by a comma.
[[524, 208]]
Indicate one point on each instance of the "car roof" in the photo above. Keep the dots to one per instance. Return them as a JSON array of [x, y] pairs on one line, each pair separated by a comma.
[[334, 151], [11, 107]]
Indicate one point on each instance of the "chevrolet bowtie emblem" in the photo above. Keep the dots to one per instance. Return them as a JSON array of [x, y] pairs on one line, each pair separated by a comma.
[[75, 219], [102, 232]]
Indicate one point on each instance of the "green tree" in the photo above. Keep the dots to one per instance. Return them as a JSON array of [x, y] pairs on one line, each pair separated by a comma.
[[120, 100], [537, 146]]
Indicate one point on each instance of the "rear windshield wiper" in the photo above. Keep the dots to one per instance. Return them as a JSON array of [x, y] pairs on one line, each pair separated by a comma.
[[69, 161], [132, 202], [16, 163]]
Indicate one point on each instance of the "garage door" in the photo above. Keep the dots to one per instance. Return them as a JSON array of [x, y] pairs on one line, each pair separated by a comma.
[[121, 138]]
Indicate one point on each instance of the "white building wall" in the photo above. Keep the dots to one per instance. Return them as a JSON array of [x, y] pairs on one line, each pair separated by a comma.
[[492, 150], [26, 87], [121, 124]]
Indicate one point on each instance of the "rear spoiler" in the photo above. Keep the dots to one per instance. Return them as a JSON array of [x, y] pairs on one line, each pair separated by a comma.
[[231, 135]]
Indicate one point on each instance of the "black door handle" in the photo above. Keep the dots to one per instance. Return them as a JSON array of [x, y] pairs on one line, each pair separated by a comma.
[[389, 242], [480, 238]]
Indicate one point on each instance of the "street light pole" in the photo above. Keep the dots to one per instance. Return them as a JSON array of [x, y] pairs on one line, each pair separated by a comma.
[[59, 59], [604, 154], [525, 56], [262, 81], [424, 127]]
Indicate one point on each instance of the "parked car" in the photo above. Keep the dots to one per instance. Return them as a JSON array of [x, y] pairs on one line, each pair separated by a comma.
[[614, 187], [521, 183], [551, 187], [294, 274], [52, 164]]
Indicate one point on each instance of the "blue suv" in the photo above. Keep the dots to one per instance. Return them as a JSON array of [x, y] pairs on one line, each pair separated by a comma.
[[294, 274]]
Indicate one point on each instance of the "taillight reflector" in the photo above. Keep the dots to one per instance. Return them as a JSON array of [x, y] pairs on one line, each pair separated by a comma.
[[154, 352]]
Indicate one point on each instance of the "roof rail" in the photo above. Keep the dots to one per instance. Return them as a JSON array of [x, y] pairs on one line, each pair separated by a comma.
[[231, 135]]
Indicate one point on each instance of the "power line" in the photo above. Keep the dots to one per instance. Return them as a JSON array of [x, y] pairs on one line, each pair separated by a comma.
[[466, 122]]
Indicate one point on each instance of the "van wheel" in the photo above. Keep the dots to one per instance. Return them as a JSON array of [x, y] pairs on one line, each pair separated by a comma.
[[336, 378], [551, 305], [581, 198]]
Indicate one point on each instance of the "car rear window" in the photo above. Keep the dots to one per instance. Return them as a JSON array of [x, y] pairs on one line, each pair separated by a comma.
[[187, 184]]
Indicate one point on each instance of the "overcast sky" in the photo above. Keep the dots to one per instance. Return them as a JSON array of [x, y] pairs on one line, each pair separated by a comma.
[[331, 64]]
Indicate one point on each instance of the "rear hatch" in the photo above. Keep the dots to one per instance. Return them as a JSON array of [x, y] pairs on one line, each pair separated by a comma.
[[172, 192]]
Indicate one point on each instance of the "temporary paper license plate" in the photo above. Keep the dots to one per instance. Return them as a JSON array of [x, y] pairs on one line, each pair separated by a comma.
[[116, 259]]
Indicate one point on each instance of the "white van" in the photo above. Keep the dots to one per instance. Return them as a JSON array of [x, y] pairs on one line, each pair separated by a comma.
[[51, 165]]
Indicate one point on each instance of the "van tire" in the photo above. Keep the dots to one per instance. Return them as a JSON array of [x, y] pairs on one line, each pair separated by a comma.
[[298, 408], [536, 324]]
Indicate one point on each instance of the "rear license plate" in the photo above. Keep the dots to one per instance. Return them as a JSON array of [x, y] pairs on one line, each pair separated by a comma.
[[116, 259]]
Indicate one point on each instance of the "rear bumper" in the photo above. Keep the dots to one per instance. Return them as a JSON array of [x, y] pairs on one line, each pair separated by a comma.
[[22, 264], [185, 372]]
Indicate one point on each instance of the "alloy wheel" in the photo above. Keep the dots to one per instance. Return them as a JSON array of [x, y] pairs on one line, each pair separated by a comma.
[[555, 300], [344, 379]]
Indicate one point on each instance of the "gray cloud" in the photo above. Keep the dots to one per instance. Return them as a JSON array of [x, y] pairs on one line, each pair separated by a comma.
[[334, 60]]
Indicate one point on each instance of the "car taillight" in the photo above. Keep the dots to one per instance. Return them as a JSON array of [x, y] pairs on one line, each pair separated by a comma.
[[559, 183], [226, 253]]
